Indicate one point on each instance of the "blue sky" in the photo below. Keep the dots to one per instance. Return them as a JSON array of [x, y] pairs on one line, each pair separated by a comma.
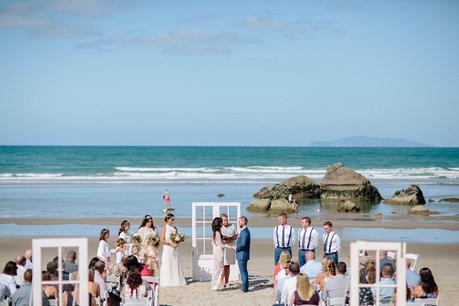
[[228, 72]]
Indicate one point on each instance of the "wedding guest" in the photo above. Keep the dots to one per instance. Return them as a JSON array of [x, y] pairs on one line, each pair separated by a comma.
[[23, 296], [20, 263], [332, 242], [290, 283], [171, 273], [7, 277], [151, 255], [103, 251], [328, 271], [4, 292], [243, 252], [304, 293], [229, 233], [72, 298], [312, 267], [134, 288], [386, 294], [383, 259], [428, 287], [308, 240], [367, 277], [50, 291], [123, 233], [93, 287], [280, 278], [99, 278], [218, 255], [70, 265], [120, 250], [283, 237], [336, 287], [412, 278], [92, 262], [28, 256], [51, 267], [281, 267]]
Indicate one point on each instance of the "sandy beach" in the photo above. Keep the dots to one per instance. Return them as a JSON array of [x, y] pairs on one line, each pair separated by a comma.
[[441, 258]]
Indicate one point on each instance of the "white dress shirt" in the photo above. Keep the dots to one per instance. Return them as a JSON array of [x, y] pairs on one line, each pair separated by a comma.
[[308, 238], [9, 282], [287, 290], [19, 278], [283, 236], [103, 251], [332, 242]]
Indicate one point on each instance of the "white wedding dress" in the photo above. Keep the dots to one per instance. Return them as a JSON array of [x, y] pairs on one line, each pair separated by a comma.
[[171, 273]]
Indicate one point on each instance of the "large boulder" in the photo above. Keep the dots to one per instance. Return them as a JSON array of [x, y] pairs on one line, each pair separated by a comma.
[[275, 198], [451, 200], [341, 182], [409, 196], [348, 206], [301, 187]]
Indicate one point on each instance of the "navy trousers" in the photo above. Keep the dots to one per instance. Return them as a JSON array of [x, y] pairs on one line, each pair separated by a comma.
[[333, 256], [244, 275]]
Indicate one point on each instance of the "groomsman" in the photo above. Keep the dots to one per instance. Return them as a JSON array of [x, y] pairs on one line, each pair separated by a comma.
[[332, 242], [283, 237], [243, 252], [308, 240]]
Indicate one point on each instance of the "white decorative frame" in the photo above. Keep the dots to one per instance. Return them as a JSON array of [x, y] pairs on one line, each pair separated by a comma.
[[81, 244], [202, 259], [400, 285]]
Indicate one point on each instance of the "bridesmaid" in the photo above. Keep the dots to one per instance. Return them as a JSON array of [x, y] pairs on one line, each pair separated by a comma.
[[147, 229], [229, 233]]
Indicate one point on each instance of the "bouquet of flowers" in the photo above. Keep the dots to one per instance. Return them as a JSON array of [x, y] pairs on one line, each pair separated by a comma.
[[153, 241], [177, 237]]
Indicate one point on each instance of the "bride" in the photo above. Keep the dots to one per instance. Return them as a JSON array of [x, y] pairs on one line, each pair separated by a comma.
[[171, 273], [218, 254]]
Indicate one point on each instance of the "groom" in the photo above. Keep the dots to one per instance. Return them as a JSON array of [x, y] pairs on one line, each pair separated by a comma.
[[243, 252]]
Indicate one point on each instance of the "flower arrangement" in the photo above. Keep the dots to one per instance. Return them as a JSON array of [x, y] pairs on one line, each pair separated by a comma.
[[153, 240], [177, 237]]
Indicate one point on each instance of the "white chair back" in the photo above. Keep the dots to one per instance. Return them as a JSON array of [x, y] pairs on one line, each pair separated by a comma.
[[413, 258], [154, 293], [335, 301], [428, 302]]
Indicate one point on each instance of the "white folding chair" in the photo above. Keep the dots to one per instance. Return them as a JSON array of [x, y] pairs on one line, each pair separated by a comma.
[[428, 302], [52, 302], [113, 279], [335, 301], [413, 258], [391, 255], [154, 283]]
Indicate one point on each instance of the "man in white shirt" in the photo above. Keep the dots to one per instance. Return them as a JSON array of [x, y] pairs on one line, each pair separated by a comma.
[[332, 242], [99, 278], [308, 240], [283, 237], [386, 294], [28, 256], [312, 267], [20, 263], [289, 286], [7, 277]]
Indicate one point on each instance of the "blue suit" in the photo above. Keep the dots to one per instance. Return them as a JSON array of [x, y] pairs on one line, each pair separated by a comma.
[[242, 256]]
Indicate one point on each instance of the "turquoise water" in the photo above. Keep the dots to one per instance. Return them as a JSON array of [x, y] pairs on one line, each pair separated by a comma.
[[222, 164], [65, 182]]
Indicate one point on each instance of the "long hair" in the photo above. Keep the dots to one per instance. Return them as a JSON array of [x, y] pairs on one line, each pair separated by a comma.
[[427, 281], [103, 232], [123, 225], [216, 226], [145, 221], [134, 280], [303, 287], [284, 259], [329, 266]]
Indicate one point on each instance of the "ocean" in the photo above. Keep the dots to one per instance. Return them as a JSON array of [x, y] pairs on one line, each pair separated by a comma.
[[83, 181]]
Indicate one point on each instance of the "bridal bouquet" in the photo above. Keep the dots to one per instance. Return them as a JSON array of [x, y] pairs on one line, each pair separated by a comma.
[[177, 237]]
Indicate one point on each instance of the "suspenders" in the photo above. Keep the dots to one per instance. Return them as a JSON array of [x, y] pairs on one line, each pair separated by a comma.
[[329, 244], [283, 236], [302, 246]]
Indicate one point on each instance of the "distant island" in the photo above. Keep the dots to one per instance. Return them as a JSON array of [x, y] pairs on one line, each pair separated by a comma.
[[365, 141]]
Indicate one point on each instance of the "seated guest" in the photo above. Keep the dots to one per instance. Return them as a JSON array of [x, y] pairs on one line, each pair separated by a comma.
[[134, 288], [427, 287], [4, 292], [386, 294], [312, 267], [20, 263], [92, 262], [290, 283], [93, 287], [329, 271], [367, 276], [383, 259], [304, 293], [51, 267], [99, 278], [281, 269], [280, 280], [7, 277], [28, 256], [72, 298], [23, 296], [70, 265], [336, 286], [49, 290], [412, 278]]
